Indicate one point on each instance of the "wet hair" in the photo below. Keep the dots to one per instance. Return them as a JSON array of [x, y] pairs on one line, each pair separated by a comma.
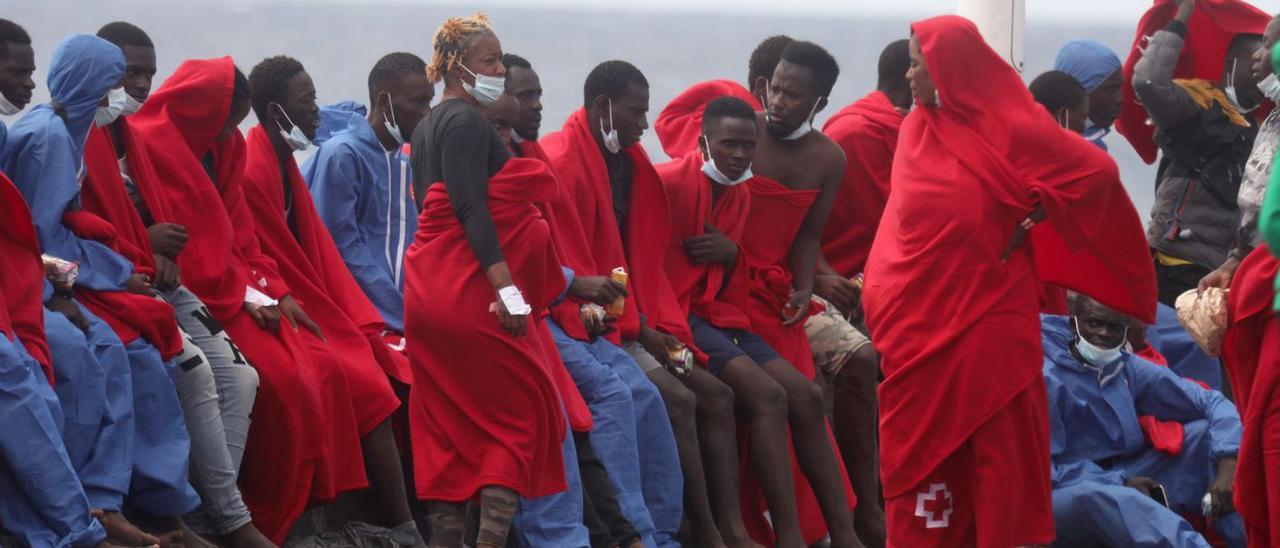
[[765, 57], [11, 32], [391, 68], [726, 107], [611, 79], [893, 65], [1056, 90], [268, 82], [452, 40], [512, 60], [124, 34], [821, 64]]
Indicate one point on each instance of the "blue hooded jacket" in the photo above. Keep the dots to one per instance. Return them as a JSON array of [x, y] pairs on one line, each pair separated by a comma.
[[44, 155], [1093, 412], [364, 195], [1090, 62]]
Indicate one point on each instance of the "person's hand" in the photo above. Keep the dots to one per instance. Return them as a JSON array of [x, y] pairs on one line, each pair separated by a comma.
[[839, 291], [1021, 229], [68, 308], [1220, 277], [267, 317], [1142, 483], [167, 277], [797, 309], [292, 311], [140, 284], [659, 345], [711, 247], [1220, 490], [596, 324], [167, 239], [596, 289]]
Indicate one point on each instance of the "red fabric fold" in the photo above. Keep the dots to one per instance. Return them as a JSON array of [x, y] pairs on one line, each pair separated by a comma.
[[22, 276], [485, 409], [867, 131], [964, 175], [1212, 26], [103, 192], [680, 123], [577, 161]]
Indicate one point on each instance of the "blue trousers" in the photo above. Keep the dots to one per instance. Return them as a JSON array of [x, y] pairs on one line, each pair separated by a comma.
[[1089, 513], [161, 448], [41, 500], [95, 390], [615, 427], [555, 520]]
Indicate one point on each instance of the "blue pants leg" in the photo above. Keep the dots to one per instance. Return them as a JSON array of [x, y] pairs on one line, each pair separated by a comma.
[[1186, 477], [162, 448], [1097, 514], [614, 433], [662, 478], [41, 500], [96, 392], [554, 520]]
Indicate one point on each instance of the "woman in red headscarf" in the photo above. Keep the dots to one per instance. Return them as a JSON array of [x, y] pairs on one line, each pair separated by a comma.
[[952, 294]]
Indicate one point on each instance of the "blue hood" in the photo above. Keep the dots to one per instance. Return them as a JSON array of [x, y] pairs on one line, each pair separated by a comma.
[[338, 117], [1057, 335], [83, 70], [1088, 61]]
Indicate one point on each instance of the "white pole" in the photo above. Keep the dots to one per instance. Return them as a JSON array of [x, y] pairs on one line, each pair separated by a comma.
[[1001, 23]]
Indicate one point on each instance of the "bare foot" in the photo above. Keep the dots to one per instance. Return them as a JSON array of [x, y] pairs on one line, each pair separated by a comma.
[[121, 532], [249, 537]]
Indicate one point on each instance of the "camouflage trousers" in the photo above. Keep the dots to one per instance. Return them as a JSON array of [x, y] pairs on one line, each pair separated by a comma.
[[833, 339]]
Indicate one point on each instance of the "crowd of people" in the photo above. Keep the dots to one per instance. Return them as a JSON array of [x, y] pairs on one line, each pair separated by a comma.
[[937, 320]]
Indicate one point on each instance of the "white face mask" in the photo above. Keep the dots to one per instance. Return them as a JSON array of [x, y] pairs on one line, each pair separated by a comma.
[[1065, 121], [116, 100], [1231, 91], [487, 89], [1270, 87], [131, 105], [805, 127], [391, 124], [1094, 354], [710, 170], [611, 141], [7, 108], [295, 138]]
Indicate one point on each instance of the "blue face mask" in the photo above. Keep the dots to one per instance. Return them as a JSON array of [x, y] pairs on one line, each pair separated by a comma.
[[1095, 355]]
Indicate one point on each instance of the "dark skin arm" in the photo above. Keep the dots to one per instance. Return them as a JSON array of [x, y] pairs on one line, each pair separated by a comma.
[[807, 247], [1020, 232], [836, 289], [167, 274], [499, 277], [1220, 490]]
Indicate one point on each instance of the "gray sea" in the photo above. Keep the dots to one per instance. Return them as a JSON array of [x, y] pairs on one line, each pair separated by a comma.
[[339, 42]]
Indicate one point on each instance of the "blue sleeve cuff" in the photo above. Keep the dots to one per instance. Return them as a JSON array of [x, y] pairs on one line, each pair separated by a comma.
[[568, 281]]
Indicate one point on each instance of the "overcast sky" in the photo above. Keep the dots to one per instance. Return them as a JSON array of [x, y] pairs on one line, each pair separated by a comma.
[[1119, 11]]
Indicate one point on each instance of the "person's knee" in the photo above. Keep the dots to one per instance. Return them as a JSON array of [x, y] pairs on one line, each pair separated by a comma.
[[716, 400], [768, 399], [681, 403], [242, 383], [804, 402]]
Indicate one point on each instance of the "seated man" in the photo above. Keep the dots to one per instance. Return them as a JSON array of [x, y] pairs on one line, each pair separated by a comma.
[[1109, 486]]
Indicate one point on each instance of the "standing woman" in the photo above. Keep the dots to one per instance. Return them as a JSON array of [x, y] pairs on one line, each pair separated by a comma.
[[486, 417], [952, 291]]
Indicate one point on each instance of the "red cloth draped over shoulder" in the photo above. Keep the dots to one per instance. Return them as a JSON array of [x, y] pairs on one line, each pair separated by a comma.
[[702, 289], [130, 315], [867, 131], [680, 123], [938, 299], [484, 409], [179, 125], [1212, 26], [311, 265], [577, 161], [1252, 355], [22, 274]]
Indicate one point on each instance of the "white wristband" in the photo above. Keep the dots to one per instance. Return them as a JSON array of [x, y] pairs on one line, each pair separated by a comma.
[[514, 301]]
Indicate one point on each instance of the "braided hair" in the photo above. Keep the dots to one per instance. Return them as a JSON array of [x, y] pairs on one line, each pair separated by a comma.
[[452, 40]]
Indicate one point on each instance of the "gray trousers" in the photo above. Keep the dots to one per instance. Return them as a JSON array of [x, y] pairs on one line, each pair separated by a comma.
[[217, 387]]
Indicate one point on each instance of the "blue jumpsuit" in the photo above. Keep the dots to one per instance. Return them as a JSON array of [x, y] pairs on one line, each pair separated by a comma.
[[1096, 444], [44, 157]]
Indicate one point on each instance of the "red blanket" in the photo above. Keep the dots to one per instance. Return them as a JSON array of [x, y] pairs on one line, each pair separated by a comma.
[[311, 265], [22, 276], [703, 290], [1252, 354], [292, 437], [680, 123], [940, 302], [577, 161], [485, 409], [1212, 26], [867, 130]]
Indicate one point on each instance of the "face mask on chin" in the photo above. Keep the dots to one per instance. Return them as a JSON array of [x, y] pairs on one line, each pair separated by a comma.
[[390, 122], [7, 108], [803, 129], [487, 89], [295, 138], [1232, 94], [710, 169], [1270, 87], [116, 101], [611, 141]]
